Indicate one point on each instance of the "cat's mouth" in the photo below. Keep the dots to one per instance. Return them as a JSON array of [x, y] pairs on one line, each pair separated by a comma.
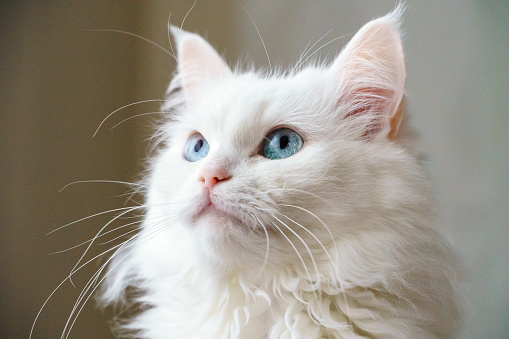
[[218, 209]]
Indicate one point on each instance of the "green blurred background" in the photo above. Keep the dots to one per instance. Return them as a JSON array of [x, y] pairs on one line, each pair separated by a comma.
[[59, 80]]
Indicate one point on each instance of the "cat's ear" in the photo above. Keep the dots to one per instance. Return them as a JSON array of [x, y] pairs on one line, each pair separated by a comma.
[[370, 72], [198, 61]]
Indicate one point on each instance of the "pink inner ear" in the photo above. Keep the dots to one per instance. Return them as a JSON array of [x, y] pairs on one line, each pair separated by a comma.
[[371, 73], [375, 106]]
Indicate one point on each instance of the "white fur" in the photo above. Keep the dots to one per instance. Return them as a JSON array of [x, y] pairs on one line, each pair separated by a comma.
[[336, 241]]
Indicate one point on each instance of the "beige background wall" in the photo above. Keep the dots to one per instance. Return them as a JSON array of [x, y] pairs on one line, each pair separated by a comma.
[[59, 81]]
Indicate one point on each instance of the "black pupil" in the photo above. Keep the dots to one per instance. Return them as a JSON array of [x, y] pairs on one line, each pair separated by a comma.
[[283, 141], [198, 145]]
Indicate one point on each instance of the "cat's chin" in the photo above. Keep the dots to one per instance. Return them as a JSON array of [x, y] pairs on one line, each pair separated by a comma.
[[223, 237], [218, 221]]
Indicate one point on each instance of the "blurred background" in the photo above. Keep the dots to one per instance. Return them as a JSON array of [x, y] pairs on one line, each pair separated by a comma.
[[59, 80]]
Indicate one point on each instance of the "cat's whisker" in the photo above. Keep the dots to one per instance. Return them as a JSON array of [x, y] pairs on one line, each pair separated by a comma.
[[95, 215], [169, 39], [98, 233], [102, 235], [341, 283], [314, 236], [120, 236], [299, 63], [156, 136], [300, 191], [84, 291], [158, 227], [58, 287], [311, 256], [99, 181], [158, 219], [134, 35], [130, 194], [267, 249], [139, 115], [297, 252], [121, 108], [260, 35], [76, 269], [324, 45], [44, 305], [97, 256], [93, 280], [187, 14], [317, 218]]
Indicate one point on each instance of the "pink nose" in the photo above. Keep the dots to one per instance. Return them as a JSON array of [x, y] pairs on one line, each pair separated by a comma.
[[212, 177]]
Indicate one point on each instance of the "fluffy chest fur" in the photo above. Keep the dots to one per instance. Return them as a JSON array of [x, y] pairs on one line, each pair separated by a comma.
[[191, 300], [288, 206]]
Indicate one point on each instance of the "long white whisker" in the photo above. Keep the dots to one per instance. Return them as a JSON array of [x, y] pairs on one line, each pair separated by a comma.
[[99, 180], [314, 236], [88, 285], [313, 261], [139, 115], [93, 280], [267, 249], [296, 251], [58, 287], [121, 108], [102, 235], [76, 269], [300, 191], [259, 34], [44, 305], [120, 236], [134, 35], [169, 39], [328, 43], [95, 215], [342, 288], [185, 17], [317, 218], [98, 233], [299, 62]]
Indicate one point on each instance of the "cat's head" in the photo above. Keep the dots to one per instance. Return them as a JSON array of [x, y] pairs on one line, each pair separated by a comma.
[[253, 165]]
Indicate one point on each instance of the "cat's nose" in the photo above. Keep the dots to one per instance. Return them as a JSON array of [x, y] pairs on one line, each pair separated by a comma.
[[210, 178]]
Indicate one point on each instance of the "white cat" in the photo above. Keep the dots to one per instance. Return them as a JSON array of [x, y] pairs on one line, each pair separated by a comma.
[[288, 205]]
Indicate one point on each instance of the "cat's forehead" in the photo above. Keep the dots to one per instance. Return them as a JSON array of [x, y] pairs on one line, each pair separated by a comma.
[[248, 105]]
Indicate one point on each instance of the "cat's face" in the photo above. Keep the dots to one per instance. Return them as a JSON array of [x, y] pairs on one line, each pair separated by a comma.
[[217, 179]]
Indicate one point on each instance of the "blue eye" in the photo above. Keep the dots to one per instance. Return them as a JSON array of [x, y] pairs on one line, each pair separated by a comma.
[[281, 143], [196, 148]]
